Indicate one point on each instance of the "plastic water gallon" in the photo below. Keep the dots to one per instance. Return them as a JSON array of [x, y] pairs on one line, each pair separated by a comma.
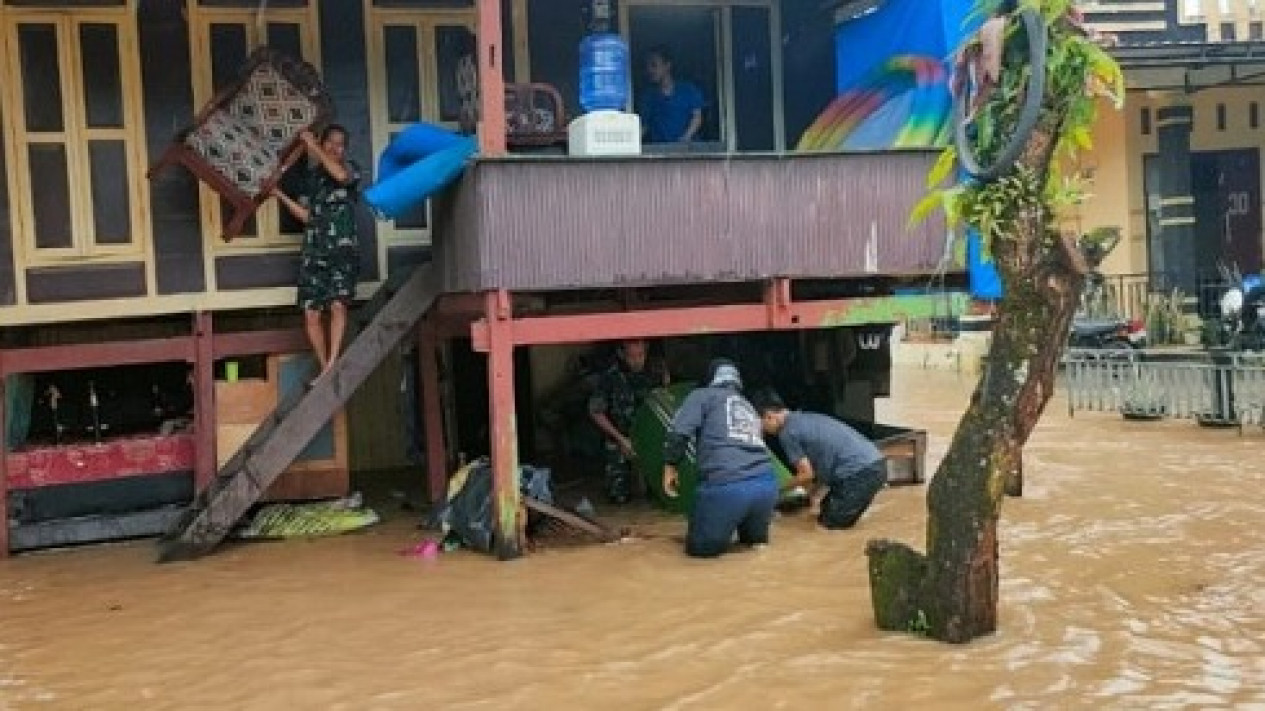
[[603, 72]]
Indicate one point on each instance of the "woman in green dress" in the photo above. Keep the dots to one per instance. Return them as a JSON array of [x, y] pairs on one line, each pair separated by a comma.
[[330, 258]]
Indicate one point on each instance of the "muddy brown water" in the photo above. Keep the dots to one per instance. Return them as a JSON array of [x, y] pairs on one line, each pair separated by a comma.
[[1133, 579]]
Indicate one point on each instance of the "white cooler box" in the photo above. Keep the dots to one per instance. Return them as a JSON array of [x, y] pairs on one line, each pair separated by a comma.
[[605, 133]]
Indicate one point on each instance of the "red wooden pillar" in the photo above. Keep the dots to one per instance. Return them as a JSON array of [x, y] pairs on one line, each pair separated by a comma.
[[4, 462], [204, 399], [432, 410], [504, 426], [491, 78]]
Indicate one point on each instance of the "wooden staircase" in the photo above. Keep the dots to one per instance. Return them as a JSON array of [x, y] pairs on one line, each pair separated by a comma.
[[282, 436]]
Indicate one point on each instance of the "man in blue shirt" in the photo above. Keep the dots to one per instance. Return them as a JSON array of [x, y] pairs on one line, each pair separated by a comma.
[[843, 467], [671, 109]]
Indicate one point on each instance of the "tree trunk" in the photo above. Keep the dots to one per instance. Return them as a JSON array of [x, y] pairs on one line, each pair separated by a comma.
[[951, 593], [1014, 482]]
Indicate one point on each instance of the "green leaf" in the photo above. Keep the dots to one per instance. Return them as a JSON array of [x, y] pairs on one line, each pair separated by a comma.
[[1082, 137], [959, 251], [931, 202], [943, 168]]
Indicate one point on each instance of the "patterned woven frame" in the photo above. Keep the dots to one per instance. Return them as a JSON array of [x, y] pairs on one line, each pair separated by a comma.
[[242, 141]]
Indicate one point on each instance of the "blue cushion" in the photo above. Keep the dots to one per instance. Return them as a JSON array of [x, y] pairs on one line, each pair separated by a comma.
[[418, 163]]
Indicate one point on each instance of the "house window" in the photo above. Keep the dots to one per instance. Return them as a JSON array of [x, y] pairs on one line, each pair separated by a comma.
[[1221, 117], [1255, 31], [1227, 32], [224, 33], [76, 174], [1253, 115], [414, 55], [1146, 121]]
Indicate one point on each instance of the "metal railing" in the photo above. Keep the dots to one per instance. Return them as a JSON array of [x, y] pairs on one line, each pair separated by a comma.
[[1228, 389], [1127, 295]]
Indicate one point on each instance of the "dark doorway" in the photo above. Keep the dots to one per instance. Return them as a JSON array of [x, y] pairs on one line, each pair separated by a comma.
[[1227, 191], [1226, 188]]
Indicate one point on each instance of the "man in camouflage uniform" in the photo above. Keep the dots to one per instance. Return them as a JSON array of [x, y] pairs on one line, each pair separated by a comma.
[[621, 390]]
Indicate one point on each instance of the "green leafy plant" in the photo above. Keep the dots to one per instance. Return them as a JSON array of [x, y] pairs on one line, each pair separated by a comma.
[[1078, 73]]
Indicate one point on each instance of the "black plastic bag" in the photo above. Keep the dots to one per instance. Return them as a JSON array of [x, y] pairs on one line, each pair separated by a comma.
[[469, 511]]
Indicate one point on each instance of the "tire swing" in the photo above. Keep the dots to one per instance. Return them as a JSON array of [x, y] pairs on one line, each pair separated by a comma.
[[1034, 28]]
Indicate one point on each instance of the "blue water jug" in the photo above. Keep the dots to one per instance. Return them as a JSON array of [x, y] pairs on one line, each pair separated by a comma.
[[603, 72]]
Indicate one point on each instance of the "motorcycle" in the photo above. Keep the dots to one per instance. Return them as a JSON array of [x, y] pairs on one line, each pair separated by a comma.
[[1242, 326], [1107, 334]]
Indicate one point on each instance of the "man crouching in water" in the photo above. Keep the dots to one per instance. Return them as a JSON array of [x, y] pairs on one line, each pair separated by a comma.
[[842, 469], [737, 489]]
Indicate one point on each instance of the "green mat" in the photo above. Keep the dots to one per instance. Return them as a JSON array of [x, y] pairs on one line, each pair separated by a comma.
[[306, 520], [650, 426]]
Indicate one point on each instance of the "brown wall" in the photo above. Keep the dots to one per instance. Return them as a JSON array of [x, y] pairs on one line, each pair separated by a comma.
[[165, 73], [550, 223]]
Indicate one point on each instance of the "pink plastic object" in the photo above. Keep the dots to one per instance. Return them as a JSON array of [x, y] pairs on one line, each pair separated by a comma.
[[425, 549]]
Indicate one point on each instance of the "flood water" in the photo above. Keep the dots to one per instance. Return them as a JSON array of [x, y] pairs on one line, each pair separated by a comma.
[[1133, 578]]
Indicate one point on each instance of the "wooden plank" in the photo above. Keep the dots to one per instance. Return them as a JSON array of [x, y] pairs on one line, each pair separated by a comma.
[[4, 473], [603, 533], [175, 213], [244, 403], [204, 398], [248, 343], [65, 532], [491, 78], [256, 271], [733, 318], [308, 485], [8, 284], [283, 436], [506, 494], [49, 359], [51, 285]]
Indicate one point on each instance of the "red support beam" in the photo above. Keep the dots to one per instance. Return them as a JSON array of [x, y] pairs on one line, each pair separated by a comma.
[[777, 313], [48, 359], [504, 426], [204, 419], [491, 78], [777, 298], [4, 469], [432, 411]]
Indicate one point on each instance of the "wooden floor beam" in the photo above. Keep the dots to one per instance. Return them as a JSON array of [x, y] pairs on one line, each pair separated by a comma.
[[778, 312]]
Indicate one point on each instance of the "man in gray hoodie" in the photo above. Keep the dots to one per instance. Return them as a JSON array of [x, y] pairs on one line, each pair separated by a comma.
[[737, 489]]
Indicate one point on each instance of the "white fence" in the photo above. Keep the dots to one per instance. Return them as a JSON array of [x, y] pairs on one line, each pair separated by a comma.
[[1229, 390]]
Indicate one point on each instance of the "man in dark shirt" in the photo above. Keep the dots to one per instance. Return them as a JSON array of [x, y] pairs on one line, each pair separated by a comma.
[[619, 393], [671, 109], [843, 468], [737, 489]]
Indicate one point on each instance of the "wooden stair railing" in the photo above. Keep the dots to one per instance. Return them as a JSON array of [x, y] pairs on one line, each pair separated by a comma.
[[283, 435]]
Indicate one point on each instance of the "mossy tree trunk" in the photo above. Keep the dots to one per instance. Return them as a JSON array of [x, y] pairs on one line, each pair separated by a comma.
[[951, 593]]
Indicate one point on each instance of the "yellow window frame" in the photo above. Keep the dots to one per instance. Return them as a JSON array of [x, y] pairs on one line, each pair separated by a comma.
[[425, 22], [75, 135]]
